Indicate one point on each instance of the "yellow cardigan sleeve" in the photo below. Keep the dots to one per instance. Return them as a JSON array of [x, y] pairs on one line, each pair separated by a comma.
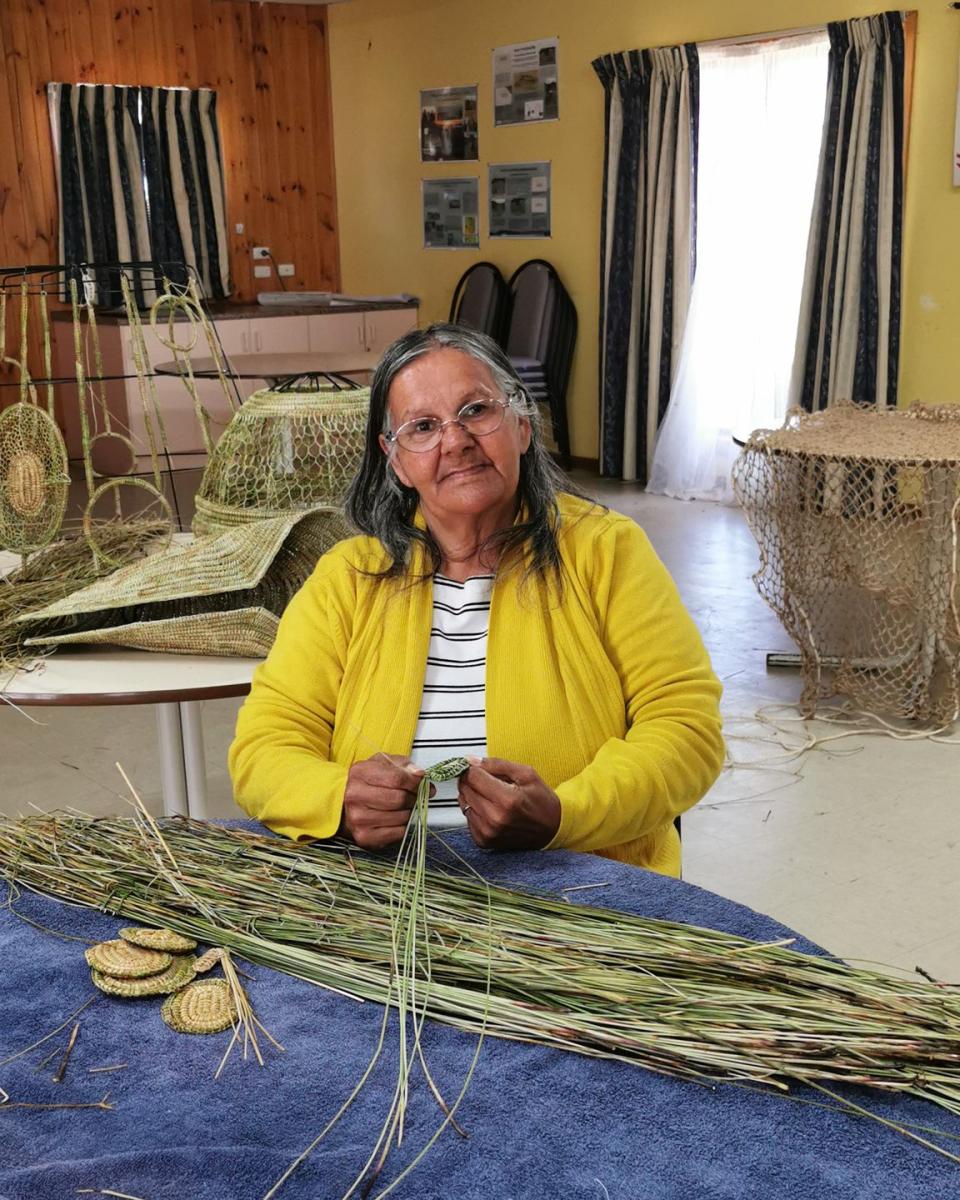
[[280, 760], [672, 750]]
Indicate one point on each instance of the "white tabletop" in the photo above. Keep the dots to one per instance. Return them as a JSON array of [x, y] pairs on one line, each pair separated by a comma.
[[96, 676]]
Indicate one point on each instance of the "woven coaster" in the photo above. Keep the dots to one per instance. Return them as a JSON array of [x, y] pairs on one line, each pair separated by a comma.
[[158, 939], [205, 1006], [123, 961], [180, 972], [207, 960]]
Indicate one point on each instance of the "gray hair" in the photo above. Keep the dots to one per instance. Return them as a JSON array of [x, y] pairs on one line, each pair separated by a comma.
[[377, 503]]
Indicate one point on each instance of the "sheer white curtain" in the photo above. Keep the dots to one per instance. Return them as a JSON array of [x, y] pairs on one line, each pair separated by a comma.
[[761, 122]]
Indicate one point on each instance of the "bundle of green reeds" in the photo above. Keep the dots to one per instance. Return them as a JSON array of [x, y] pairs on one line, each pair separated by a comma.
[[57, 571], [676, 999]]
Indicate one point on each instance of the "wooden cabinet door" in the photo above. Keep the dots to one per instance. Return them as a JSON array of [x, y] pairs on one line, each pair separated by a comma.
[[336, 332], [383, 326], [279, 335]]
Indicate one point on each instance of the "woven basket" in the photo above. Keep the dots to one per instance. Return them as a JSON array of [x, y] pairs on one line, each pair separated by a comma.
[[219, 595], [282, 452]]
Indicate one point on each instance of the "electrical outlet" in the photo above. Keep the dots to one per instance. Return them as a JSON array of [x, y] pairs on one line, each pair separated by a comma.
[[261, 252], [262, 272], [286, 269], [238, 228]]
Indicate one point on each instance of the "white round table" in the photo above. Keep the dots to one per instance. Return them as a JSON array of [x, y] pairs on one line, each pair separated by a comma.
[[175, 684]]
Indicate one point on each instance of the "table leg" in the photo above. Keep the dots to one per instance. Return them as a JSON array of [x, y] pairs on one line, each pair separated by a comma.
[[172, 774], [194, 762]]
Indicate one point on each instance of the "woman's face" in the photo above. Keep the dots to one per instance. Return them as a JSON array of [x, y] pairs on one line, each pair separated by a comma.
[[464, 474]]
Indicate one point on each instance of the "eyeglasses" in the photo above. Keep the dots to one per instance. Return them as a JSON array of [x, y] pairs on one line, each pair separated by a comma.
[[477, 417]]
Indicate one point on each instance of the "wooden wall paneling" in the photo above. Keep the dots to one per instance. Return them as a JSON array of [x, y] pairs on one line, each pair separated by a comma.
[[27, 237], [295, 242], [267, 218], [238, 129], [38, 176], [320, 134], [81, 36], [268, 64]]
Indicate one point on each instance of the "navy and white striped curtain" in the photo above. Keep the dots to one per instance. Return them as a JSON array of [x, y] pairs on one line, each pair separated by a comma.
[[647, 244], [848, 339], [140, 175]]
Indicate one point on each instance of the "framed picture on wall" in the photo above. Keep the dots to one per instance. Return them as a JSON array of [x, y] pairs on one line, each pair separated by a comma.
[[520, 199], [451, 213], [448, 125], [525, 82]]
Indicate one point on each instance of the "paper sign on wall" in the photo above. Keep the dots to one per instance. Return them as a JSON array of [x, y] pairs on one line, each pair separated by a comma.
[[525, 82], [448, 124], [520, 199], [451, 213]]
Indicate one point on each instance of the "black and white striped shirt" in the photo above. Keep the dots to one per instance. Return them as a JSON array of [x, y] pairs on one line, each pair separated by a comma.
[[452, 717]]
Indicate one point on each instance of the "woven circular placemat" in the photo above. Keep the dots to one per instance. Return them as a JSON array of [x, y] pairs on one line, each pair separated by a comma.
[[158, 939], [180, 972], [205, 1006], [123, 961]]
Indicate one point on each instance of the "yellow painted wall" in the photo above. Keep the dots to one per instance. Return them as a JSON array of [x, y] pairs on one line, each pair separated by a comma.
[[384, 51]]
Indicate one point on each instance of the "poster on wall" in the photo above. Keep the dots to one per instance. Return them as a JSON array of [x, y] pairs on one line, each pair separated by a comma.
[[448, 125], [451, 213], [525, 82], [956, 139], [520, 199]]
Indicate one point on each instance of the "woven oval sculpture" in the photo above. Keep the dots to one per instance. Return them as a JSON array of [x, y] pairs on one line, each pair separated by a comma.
[[180, 972], [206, 1006], [124, 961], [282, 452], [33, 478], [158, 939]]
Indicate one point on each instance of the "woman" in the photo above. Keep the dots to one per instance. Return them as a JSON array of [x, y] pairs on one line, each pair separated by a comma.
[[489, 611]]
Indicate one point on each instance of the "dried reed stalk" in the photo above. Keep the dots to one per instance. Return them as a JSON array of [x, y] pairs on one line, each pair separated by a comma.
[[57, 571], [682, 1001]]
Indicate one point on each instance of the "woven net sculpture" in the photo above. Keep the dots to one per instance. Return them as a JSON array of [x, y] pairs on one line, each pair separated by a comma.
[[284, 451], [855, 511]]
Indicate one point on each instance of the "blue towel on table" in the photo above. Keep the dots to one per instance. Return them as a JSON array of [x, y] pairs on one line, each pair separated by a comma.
[[542, 1123]]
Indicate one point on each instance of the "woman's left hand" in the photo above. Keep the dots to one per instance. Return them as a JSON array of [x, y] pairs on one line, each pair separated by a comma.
[[507, 805]]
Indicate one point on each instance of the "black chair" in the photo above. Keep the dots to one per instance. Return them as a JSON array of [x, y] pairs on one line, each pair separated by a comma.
[[540, 341], [481, 300]]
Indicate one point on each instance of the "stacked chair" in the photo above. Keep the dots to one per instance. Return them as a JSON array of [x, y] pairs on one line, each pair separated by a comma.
[[481, 300], [533, 318], [540, 341]]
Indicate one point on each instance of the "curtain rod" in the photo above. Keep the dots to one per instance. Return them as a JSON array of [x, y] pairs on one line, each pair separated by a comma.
[[745, 39]]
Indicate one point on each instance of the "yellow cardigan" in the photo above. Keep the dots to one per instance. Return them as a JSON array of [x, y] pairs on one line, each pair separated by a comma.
[[606, 690]]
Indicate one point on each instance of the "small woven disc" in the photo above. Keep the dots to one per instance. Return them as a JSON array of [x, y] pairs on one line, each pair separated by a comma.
[[205, 1006], [158, 939], [123, 961], [177, 975], [208, 959]]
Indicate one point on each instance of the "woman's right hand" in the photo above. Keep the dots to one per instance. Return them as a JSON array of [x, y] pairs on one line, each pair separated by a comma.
[[378, 800]]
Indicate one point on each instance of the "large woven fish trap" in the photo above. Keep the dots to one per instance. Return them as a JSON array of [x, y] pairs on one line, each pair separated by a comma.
[[282, 452], [219, 595], [855, 511]]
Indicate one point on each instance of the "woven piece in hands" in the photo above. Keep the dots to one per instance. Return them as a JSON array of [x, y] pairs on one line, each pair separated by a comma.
[[177, 975], [124, 961], [205, 1006], [158, 939], [282, 452], [855, 511], [258, 566]]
